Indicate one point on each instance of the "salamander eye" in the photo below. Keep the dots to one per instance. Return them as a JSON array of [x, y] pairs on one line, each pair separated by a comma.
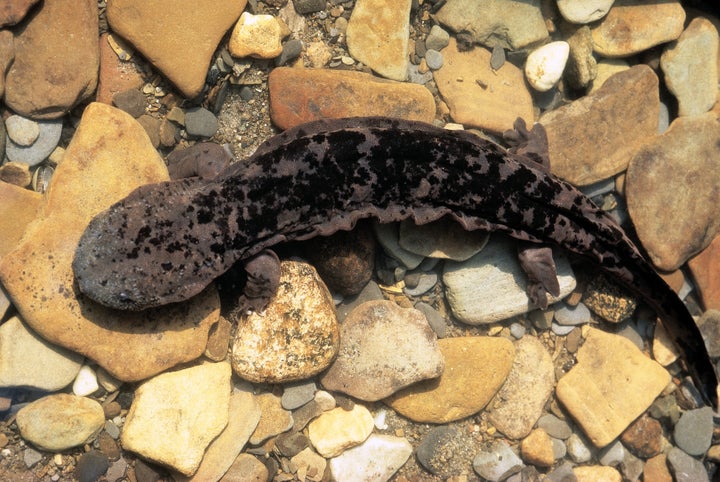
[[124, 297]]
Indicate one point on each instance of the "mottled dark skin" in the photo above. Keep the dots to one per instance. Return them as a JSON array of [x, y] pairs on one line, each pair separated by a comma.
[[165, 242]]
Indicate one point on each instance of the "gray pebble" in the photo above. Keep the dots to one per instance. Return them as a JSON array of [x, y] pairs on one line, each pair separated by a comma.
[[31, 457], [559, 448], [686, 468], [497, 58], [567, 315], [630, 332], [434, 59], [418, 77], [112, 429], [246, 93], [437, 39], [296, 395], [303, 7], [693, 432], [542, 320], [497, 463], [200, 122], [631, 467], [432, 443], [420, 48], [517, 330], [425, 283], [612, 455], [563, 473], [290, 51], [22, 131], [561, 330], [290, 444], [554, 426], [131, 101], [91, 466], [578, 449], [435, 319], [46, 142]]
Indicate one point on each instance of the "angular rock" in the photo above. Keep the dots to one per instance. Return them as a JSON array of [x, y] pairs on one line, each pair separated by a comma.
[[378, 35], [591, 473], [246, 467], [18, 208], [582, 67], [296, 336], [173, 39], [338, 429], [669, 185], [584, 11], [704, 273], [656, 469], [115, 75], [376, 459], [537, 449], [303, 95], [7, 54], [691, 69], [60, 421], [366, 369], [522, 398], [56, 60], [611, 385], [491, 286], [479, 96], [188, 408], [644, 437], [631, 27], [492, 23], [663, 349], [444, 239], [595, 136], [131, 346], [274, 419], [310, 466], [243, 417], [257, 36], [475, 368], [497, 461]]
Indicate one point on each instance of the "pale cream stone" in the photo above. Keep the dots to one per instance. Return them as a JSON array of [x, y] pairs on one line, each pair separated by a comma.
[[338, 429]]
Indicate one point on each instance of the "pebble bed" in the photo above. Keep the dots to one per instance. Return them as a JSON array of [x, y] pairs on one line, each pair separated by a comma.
[[392, 352]]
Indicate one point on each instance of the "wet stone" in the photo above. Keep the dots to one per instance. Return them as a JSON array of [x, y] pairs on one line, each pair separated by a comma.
[[693, 432], [200, 122], [497, 462], [131, 101], [685, 467], [432, 444], [40, 149]]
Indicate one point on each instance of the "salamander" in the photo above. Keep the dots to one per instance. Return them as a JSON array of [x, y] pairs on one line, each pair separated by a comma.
[[165, 242]]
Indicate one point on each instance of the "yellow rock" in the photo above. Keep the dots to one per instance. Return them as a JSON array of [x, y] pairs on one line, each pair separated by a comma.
[[258, 36], [537, 449], [338, 429], [597, 473], [18, 208]]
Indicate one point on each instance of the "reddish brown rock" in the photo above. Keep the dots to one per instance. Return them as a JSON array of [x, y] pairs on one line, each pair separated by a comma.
[[38, 273], [18, 208], [671, 182], [179, 40], [13, 11], [705, 269], [115, 75], [644, 438], [479, 96], [302, 95], [7, 54], [56, 60], [632, 26], [595, 137]]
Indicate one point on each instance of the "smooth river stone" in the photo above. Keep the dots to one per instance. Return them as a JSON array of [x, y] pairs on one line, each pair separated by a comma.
[[18, 208], [38, 273]]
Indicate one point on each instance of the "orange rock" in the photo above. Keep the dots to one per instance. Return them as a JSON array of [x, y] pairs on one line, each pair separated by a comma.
[[302, 95], [38, 273], [705, 268], [537, 448], [115, 75], [656, 469], [18, 208]]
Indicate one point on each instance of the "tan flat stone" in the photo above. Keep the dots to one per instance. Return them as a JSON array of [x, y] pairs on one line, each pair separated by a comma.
[[612, 384], [302, 95], [480, 97], [18, 208], [109, 156]]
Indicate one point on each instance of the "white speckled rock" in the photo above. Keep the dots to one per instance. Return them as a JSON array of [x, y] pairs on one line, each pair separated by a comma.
[[584, 11], [544, 66], [375, 460]]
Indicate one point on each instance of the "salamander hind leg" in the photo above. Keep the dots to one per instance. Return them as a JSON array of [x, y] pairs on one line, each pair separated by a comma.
[[528, 145]]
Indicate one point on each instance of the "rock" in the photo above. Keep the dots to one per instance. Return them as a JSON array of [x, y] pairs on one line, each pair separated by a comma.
[[295, 338], [545, 65], [433, 449], [479, 96], [492, 23], [578, 449], [706, 277], [437, 39], [497, 462], [130, 346], [631, 27], [366, 369], [173, 39], [56, 60], [302, 95], [274, 418], [582, 67], [607, 300], [189, 407], [246, 467], [18, 207], [204, 159], [23, 132], [297, 394], [631, 100], [115, 75], [13, 12], [644, 437], [663, 349], [669, 184], [554, 426], [200, 122], [572, 315], [243, 417], [686, 468], [290, 444], [709, 324], [257, 36], [610, 386], [434, 59], [378, 34], [86, 382], [537, 449], [475, 368], [60, 421], [693, 432], [596, 473], [337, 430], [91, 465], [444, 239], [691, 72], [612, 455], [131, 101], [218, 340], [584, 11], [376, 459], [304, 7], [30, 361], [40, 149], [310, 466], [606, 68], [656, 469], [491, 286], [322, 402], [388, 236], [16, 173]]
